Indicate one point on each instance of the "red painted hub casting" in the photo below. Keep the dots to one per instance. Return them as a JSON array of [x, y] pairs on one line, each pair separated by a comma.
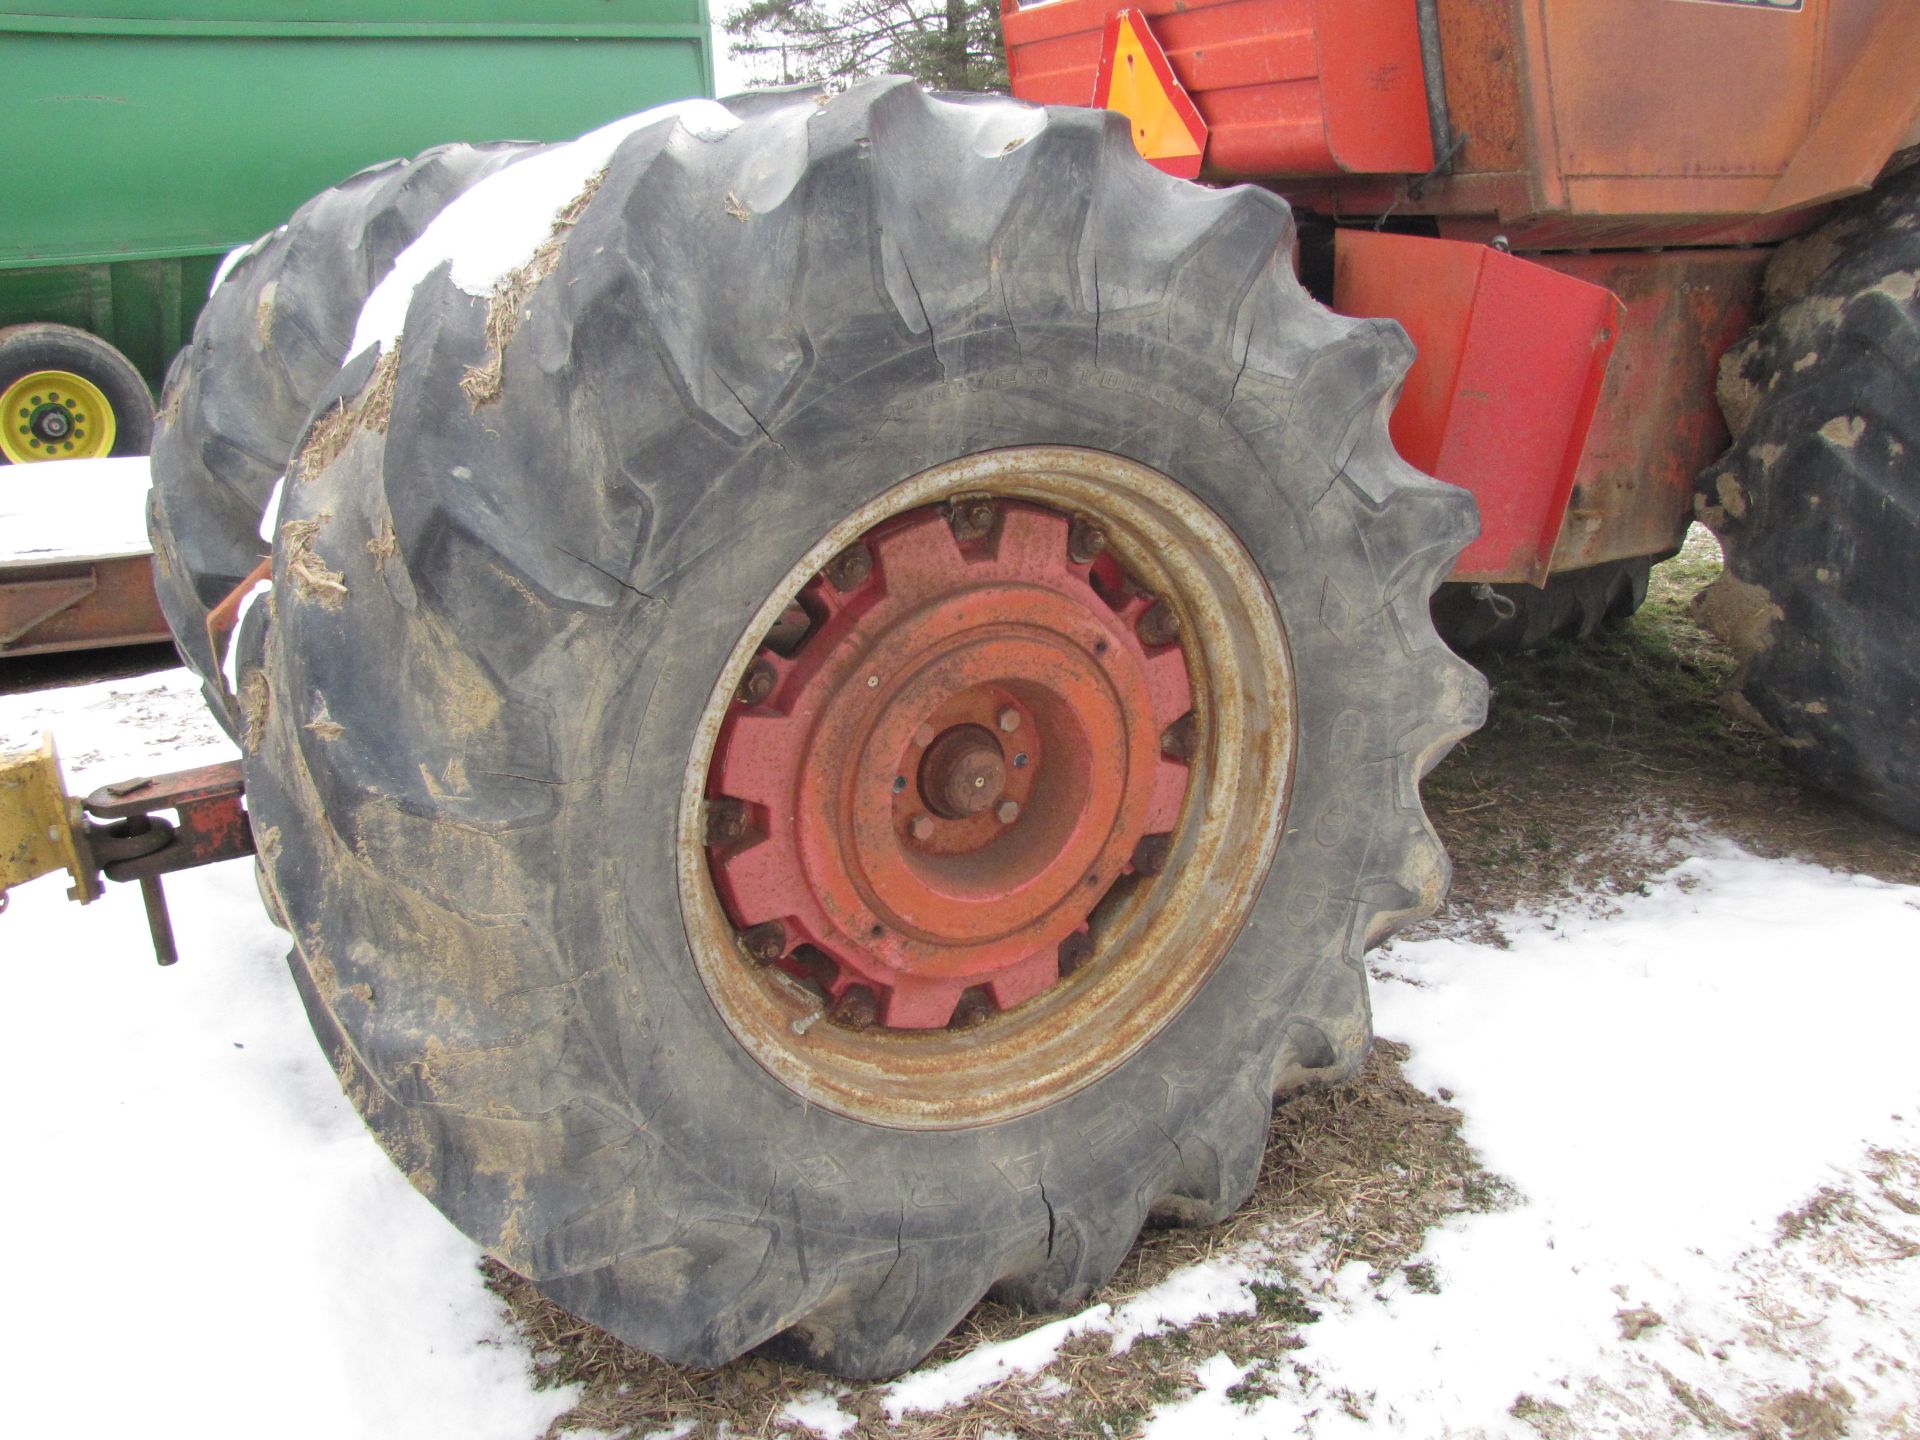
[[917, 799]]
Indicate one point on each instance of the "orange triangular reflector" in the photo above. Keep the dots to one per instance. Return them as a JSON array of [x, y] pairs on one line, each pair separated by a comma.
[[1136, 81]]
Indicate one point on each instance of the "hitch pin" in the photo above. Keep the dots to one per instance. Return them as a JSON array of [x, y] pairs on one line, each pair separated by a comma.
[[159, 922]]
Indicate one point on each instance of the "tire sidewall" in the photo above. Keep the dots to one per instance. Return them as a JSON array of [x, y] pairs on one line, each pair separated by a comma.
[[852, 446]]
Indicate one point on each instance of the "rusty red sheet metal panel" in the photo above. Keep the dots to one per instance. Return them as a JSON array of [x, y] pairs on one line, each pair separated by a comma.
[[1512, 356], [1286, 87], [79, 605], [1658, 424]]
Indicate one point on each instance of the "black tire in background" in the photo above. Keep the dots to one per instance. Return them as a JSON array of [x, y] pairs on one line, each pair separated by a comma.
[[269, 342], [1817, 505], [26, 349], [500, 617], [1570, 606]]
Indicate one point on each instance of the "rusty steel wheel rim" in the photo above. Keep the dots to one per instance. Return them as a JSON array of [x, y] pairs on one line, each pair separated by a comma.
[[987, 787]]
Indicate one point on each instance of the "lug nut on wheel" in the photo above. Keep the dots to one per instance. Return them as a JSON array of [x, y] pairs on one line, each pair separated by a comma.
[[1085, 541], [1182, 738], [850, 569], [757, 684], [1159, 626], [726, 820], [1150, 855], [1075, 951], [766, 942], [971, 519], [855, 1010], [975, 1007]]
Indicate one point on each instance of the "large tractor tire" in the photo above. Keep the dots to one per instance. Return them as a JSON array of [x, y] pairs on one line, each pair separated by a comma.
[[1817, 506], [239, 397], [829, 747]]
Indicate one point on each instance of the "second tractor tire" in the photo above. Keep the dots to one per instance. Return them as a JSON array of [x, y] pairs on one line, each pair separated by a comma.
[[1817, 507], [502, 616]]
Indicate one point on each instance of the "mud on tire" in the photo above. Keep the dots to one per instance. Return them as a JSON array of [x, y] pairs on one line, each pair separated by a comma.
[[1817, 505], [499, 618], [271, 340]]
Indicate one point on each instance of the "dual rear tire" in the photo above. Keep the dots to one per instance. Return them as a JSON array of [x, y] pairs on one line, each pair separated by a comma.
[[509, 620]]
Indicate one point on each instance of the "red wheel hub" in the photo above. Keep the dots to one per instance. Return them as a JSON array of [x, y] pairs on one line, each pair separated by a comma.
[[943, 758]]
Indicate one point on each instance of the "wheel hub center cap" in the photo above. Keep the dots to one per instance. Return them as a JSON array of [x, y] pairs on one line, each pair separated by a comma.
[[963, 773]]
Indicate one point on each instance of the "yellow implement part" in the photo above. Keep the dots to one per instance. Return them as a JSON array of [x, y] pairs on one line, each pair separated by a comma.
[[40, 825]]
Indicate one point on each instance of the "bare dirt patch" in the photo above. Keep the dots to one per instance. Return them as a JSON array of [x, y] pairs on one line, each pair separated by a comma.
[[1599, 757]]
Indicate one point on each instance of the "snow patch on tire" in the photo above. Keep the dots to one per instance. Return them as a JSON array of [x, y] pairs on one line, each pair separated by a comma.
[[494, 228]]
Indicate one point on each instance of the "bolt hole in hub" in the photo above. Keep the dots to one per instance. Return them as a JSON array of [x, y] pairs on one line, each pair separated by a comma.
[[972, 796]]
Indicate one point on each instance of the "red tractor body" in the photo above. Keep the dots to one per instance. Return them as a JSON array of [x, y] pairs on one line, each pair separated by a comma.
[[1640, 155]]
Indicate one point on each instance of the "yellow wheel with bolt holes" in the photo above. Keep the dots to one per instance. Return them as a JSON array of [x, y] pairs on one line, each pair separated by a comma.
[[55, 415], [68, 395]]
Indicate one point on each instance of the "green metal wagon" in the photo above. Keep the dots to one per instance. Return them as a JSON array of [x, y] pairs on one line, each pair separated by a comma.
[[147, 138]]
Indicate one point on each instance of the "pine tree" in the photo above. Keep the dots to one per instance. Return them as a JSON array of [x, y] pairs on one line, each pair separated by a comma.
[[945, 44]]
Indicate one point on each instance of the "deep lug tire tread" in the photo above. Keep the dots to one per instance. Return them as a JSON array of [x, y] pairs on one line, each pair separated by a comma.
[[473, 862], [238, 398], [1817, 507]]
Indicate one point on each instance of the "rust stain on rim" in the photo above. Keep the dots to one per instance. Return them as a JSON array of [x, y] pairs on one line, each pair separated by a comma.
[[1155, 939]]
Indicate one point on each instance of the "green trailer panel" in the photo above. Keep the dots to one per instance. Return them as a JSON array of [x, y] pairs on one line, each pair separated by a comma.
[[152, 136], [145, 307], [148, 136]]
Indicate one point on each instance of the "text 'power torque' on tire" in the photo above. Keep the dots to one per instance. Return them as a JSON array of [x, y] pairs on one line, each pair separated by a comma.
[[829, 740]]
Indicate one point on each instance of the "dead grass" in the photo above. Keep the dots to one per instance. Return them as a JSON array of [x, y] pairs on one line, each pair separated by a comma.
[[256, 704], [1599, 756], [1803, 1415], [1356, 1172], [383, 546], [371, 410], [324, 725], [327, 438], [313, 579]]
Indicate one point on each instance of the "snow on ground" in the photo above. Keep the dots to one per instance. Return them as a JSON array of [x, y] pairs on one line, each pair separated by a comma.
[[1662, 1077], [75, 510], [1708, 1100], [204, 1240], [1662, 1085]]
